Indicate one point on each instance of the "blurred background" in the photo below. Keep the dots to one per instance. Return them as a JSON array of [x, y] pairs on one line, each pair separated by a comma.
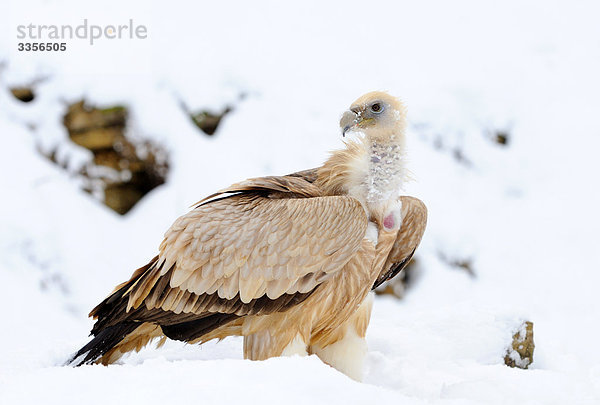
[[104, 145]]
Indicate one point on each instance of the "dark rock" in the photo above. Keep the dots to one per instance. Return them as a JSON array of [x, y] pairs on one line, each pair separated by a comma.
[[121, 197], [81, 118], [25, 94], [464, 264], [136, 167], [98, 138], [209, 122], [501, 138]]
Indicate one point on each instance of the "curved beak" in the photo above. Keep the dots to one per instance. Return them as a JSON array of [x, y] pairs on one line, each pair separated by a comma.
[[349, 121]]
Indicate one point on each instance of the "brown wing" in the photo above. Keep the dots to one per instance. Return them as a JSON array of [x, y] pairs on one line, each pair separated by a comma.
[[293, 185], [414, 221], [245, 254], [309, 175]]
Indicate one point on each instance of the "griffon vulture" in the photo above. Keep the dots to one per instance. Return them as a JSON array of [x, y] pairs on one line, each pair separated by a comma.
[[288, 262]]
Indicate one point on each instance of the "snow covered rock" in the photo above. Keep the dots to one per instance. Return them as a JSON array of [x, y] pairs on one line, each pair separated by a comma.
[[520, 354]]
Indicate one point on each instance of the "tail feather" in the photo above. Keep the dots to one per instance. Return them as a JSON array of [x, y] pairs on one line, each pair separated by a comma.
[[106, 340], [195, 329], [108, 335], [120, 329]]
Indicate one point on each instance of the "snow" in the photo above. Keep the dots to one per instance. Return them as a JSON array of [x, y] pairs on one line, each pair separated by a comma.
[[524, 215]]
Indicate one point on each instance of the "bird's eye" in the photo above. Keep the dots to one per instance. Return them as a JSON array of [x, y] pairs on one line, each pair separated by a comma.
[[376, 108]]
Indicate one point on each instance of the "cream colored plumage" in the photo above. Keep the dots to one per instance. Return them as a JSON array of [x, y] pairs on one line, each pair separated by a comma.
[[285, 261]]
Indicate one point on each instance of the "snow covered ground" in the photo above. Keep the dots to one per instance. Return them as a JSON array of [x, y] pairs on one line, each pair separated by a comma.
[[525, 215]]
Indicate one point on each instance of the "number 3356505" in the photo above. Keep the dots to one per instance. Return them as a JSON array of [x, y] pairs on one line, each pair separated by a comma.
[[42, 46]]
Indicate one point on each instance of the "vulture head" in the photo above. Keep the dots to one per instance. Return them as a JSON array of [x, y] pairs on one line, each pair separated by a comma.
[[377, 114]]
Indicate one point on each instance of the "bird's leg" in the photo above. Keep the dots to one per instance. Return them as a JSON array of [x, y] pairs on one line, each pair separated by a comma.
[[263, 345], [296, 347], [348, 353]]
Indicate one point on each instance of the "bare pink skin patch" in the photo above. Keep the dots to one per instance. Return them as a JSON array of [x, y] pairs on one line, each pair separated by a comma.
[[389, 221]]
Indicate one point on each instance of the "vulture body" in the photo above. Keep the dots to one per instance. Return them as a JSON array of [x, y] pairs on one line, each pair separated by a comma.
[[285, 261]]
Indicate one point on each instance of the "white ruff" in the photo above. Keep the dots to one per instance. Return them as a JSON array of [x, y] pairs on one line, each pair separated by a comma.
[[376, 174], [384, 177]]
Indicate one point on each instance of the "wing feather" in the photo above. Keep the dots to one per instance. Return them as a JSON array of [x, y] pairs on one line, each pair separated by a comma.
[[295, 245]]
